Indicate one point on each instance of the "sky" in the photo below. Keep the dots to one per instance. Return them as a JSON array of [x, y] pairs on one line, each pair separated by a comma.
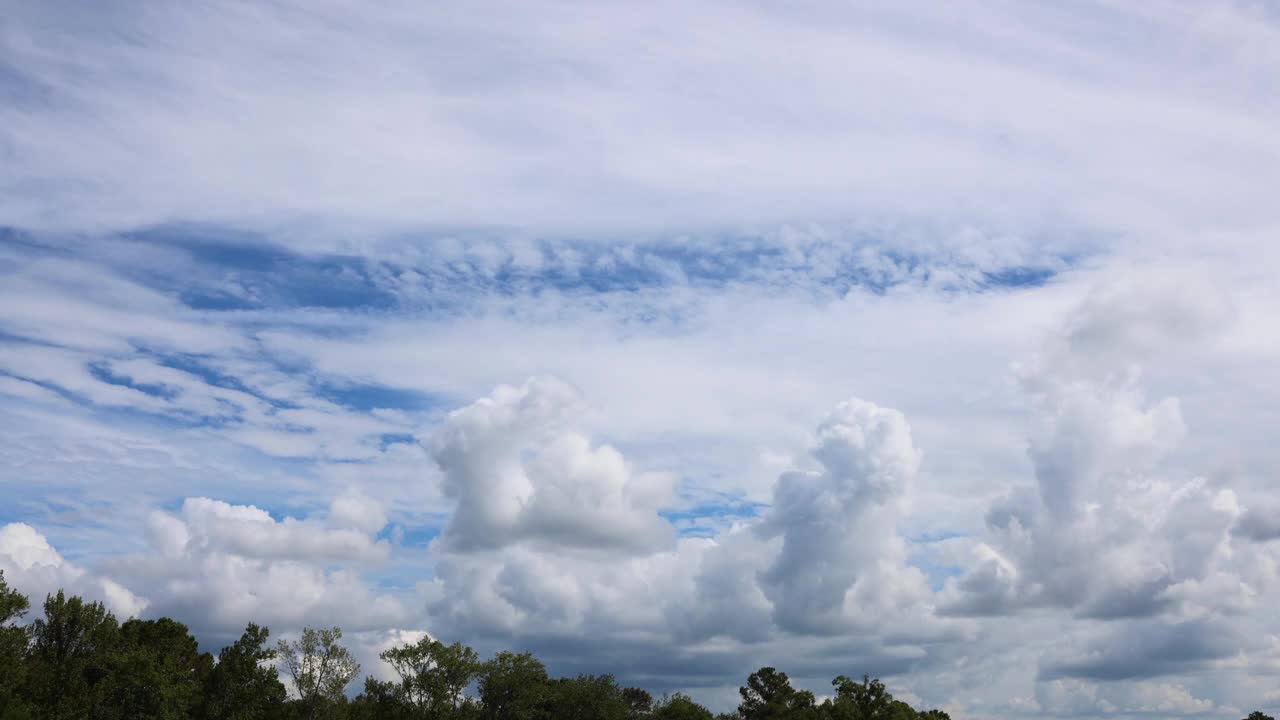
[[932, 342]]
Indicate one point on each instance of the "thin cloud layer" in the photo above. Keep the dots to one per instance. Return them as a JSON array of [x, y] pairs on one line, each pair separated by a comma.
[[1147, 115]]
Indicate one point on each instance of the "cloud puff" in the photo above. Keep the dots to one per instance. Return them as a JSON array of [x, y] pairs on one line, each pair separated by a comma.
[[222, 565], [357, 511], [838, 523], [205, 526], [518, 476], [1100, 533], [36, 569]]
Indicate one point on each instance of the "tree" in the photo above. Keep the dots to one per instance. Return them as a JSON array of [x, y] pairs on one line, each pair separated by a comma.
[[899, 710], [768, 695], [13, 604], [433, 676], [14, 639], [680, 707], [514, 687], [157, 671], [866, 700], [239, 687], [588, 697], [639, 703], [320, 669], [383, 700], [71, 653], [1259, 715], [934, 714]]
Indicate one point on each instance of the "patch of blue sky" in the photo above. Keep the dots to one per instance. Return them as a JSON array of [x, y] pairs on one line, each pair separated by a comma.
[[24, 502], [369, 396], [410, 539], [52, 387], [837, 272], [173, 416], [19, 242], [602, 267], [7, 337], [202, 369], [410, 565], [218, 245], [1019, 277], [80, 526], [236, 270], [103, 373], [403, 581], [709, 519], [412, 535], [226, 269], [388, 439], [926, 538], [939, 574], [217, 300], [921, 557]]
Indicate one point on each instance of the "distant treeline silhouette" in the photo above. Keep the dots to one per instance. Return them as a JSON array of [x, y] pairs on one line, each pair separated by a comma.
[[78, 662]]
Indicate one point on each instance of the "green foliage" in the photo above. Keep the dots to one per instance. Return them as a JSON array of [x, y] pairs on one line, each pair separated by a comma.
[[157, 671], [433, 675], [639, 703], [514, 687], [768, 695], [588, 697], [71, 654], [1259, 715], [320, 669], [13, 604], [240, 687], [13, 649], [866, 700], [680, 707], [382, 700]]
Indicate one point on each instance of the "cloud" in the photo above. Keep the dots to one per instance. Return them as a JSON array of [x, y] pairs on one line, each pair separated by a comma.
[[699, 392], [1258, 525], [517, 476], [393, 118], [223, 565], [35, 568], [1146, 650], [826, 558], [837, 525], [206, 526], [1077, 697], [251, 257], [1100, 533], [357, 511]]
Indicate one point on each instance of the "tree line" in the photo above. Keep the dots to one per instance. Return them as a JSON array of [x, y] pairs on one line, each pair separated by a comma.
[[77, 661]]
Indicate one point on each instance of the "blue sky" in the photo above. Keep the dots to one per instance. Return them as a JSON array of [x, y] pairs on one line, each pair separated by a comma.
[[848, 338]]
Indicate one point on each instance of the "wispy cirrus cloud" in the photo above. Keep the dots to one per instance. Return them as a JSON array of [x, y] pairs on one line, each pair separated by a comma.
[[1133, 116]]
